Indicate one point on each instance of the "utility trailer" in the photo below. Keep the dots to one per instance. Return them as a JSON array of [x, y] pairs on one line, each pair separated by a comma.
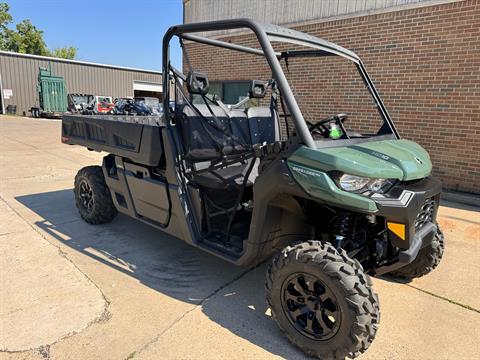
[[331, 204]]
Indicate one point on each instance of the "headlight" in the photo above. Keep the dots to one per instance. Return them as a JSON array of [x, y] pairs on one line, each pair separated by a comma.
[[360, 184], [352, 183]]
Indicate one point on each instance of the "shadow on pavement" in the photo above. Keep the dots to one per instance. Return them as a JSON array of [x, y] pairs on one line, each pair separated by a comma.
[[460, 206], [167, 265]]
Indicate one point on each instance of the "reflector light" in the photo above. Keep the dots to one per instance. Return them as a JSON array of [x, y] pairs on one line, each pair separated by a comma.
[[397, 229]]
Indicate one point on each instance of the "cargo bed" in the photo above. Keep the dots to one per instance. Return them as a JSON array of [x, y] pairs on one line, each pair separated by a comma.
[[134, 137]]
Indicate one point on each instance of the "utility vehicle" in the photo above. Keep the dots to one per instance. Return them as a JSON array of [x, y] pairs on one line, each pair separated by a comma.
[[78, 103], [128, 106], [99, 105], [330, 205]]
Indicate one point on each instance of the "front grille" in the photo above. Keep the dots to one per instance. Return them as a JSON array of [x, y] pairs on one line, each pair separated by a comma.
[[426, 213]]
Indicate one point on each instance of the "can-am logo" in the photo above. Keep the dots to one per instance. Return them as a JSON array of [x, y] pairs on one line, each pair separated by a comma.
[[304, 171], [380, 155]]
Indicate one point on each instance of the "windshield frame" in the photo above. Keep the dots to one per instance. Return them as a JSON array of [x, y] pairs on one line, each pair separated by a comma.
[[265, 34]]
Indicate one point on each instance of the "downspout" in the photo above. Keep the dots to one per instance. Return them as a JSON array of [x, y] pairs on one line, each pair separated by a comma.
[[1, 94]]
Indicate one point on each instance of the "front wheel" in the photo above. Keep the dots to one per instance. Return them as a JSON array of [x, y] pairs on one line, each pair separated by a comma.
[[427, 259], [322, 300]]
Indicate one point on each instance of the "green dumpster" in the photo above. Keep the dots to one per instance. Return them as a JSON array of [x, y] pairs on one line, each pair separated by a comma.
[[52, 92]]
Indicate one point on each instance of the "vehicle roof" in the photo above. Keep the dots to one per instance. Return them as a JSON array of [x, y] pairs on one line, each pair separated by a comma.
[[288, 33], [274, 33]]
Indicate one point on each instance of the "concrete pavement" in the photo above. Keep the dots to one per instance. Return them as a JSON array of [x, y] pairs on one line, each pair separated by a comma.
[[124, 290]]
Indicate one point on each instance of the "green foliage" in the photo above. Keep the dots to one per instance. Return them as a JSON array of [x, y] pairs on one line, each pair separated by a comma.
[[67, 52], [26, 38], [5, 20]]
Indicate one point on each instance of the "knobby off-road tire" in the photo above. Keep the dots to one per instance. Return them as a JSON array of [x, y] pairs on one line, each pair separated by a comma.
[[357, 313], [427, 259], [92, 196]]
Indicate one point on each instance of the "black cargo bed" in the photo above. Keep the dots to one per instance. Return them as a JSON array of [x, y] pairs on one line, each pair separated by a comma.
[[135, 137]]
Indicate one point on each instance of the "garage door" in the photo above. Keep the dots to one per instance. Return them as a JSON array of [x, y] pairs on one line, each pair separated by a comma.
[[147, 86], [143, 89]]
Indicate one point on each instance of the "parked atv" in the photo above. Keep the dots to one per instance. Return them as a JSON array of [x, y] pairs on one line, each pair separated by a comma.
[[152, 103], [99, 105], [78, 103], [127, 106], [329, 204]]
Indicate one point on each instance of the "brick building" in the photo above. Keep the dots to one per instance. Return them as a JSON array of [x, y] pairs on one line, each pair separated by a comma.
[[424, 57]]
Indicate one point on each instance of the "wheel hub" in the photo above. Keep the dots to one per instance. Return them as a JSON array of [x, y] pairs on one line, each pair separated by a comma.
[[310, 306], [86, 195]]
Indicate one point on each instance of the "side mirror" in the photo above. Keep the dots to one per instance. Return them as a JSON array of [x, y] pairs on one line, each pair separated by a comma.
[[197, 83], [258, 89]]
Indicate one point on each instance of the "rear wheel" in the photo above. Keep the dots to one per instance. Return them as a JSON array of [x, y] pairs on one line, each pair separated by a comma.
[[92, 196], [427, 259], [322, 300]]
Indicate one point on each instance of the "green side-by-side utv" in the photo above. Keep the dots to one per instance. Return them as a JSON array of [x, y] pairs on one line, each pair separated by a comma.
[[328, 204]]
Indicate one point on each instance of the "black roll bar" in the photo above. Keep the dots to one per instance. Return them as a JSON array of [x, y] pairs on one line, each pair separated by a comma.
[[265, 33], [224, 44], [269, 53]]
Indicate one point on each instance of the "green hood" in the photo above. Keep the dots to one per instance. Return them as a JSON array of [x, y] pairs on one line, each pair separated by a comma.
[[387, 159]]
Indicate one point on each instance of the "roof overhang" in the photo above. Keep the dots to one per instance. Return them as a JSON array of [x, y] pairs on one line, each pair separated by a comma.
[[49, 58]]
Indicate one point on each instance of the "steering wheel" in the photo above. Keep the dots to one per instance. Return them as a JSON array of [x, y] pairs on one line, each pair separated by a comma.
[[321, 123]]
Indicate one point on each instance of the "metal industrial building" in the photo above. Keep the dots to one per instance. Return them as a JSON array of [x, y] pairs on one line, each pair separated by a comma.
[[19, 78]]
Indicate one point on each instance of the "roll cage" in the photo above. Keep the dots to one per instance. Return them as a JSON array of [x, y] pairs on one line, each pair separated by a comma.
[[265, 34]]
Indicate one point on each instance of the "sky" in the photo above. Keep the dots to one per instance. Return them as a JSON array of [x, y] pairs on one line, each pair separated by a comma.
[[121, 32]]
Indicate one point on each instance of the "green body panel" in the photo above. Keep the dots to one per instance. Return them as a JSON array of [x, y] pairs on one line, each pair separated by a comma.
[[319, 184], [386, 159], [52, 92]]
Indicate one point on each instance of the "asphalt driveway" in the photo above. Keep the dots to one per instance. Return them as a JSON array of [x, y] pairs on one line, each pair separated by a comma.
[[70, 290]]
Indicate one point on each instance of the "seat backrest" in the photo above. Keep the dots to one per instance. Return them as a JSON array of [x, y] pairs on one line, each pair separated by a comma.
[[264, 125], [240, 130], [204, 137]]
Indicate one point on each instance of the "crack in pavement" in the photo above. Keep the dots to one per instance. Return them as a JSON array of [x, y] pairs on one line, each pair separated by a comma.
[[14, 232], [46, 151], [467, 307], [444, 298], [181, 317], [104, 316]]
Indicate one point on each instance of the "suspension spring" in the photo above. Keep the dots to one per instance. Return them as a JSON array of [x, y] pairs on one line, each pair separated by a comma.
[[342, 229]]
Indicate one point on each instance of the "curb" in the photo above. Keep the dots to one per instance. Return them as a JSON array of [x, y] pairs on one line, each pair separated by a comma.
[[461, 198]]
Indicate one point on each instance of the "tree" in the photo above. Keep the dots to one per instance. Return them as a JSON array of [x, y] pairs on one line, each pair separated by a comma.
[[26, 38], [5, 20], [67, 52]]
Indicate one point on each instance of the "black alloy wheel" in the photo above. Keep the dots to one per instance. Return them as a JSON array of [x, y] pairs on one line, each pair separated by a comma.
[[322, 300], [86, 196], [310, 306]]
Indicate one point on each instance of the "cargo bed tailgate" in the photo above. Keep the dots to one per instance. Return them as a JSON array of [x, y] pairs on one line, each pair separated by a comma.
[[134, 137]]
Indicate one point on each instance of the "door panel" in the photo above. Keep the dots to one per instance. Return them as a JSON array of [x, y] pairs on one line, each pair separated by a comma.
[[150, 196]]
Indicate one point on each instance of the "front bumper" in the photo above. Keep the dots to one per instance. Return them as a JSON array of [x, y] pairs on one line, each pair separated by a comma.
[[415, 205], [421, 239]]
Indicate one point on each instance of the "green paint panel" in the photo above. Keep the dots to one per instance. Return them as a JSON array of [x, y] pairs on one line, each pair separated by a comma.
[[320, 185], [387, 159]]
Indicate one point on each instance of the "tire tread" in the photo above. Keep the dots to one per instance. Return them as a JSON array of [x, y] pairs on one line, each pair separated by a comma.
[[360, 297], [104, 210], [426, 261]]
